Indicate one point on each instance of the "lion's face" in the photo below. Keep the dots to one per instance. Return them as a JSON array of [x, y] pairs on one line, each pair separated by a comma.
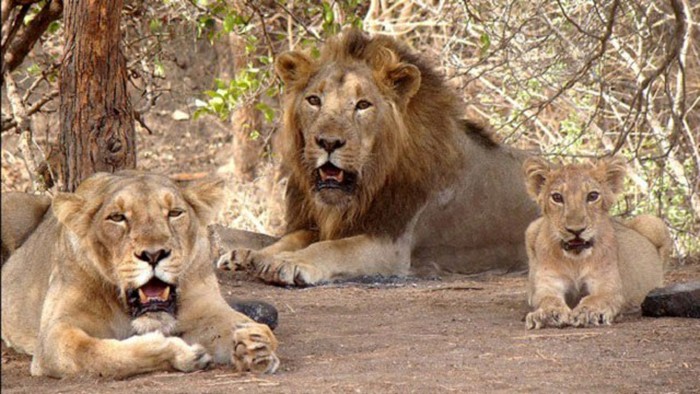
[[140, 232], [345, 121], [575, 198]]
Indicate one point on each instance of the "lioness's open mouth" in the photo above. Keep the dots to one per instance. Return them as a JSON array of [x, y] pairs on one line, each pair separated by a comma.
[[329, 176], [576, 245], [154, 296]]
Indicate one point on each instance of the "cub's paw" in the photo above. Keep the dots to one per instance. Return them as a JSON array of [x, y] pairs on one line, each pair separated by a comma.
[[286, 269], [236, 260], [586, 316], [254, 348], [188, 358], [548, 317]]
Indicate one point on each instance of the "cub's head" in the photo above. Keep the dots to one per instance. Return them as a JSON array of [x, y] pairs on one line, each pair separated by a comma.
[[139, 232], [342, 116], [575, 198]]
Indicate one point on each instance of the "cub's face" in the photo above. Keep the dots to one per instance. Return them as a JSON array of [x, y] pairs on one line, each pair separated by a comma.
[[140, 232], [575, 199], [342, 116]]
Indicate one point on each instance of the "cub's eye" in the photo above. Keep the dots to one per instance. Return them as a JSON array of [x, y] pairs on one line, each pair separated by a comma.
[[557, 198], [116, 217], [363, 104], [592, 196], [314, 100], [177, 212]]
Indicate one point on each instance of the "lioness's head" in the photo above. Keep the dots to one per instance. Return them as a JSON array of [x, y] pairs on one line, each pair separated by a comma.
[[342, 114], [139, 232], [575, 198]]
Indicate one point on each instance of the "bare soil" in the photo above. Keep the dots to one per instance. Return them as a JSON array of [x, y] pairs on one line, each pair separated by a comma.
[[461, 334]]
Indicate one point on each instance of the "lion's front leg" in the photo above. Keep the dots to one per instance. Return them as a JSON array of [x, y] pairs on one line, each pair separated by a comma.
[[603, 303], [245, 259], [231, 337], [328, 260], [66, 350]]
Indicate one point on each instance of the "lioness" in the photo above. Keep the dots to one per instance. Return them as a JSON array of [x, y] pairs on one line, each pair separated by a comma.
[[117, 280], [385, 173], [586, 267]]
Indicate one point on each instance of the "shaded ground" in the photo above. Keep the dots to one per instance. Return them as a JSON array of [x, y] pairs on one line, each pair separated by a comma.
[[462, 334]]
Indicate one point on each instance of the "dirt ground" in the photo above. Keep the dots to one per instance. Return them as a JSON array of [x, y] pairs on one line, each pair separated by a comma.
[[457, 334]]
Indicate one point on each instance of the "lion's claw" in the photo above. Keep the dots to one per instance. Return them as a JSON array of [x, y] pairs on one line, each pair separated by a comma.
[[254, 348], [550, 317]]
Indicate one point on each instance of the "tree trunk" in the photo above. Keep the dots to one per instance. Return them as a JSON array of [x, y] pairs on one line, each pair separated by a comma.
[[97, 124]]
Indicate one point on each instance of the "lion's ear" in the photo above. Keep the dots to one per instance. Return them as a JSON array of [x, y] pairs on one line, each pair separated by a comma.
[[206, 197], [611, 171], [68, 209], [293, 67], [405, 79], [536, 170]]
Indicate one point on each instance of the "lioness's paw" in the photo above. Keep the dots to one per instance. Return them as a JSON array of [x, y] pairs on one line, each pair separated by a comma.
[[549, 317], [283, 269], [254, 348], [236, 260], [586, 316], [188, 358]]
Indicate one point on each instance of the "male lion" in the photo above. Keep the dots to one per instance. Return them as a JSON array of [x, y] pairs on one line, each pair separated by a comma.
[[117, 280], [586, 267], [384, 172]]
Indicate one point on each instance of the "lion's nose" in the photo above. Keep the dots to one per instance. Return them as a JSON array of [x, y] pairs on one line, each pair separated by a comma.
[[330, 144], [153, 257], [576, 231]]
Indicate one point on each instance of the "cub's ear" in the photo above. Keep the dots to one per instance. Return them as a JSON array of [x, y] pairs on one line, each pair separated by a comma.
[[611, 171], [206, 197], [68, 208], [293, 67], [405, 79], [536, 170]]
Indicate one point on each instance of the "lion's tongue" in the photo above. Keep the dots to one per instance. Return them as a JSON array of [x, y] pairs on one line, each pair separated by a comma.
[[154, 289], [328, 172]]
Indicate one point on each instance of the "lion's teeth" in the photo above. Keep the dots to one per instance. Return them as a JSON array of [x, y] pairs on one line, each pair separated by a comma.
[[142, 296], [166, 293]]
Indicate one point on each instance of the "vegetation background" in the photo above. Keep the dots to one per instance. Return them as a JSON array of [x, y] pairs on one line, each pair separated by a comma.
[[567, 79]]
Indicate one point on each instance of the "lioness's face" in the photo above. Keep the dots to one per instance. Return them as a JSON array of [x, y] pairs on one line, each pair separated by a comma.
[[575, 199], [342, 116], [139, 232]]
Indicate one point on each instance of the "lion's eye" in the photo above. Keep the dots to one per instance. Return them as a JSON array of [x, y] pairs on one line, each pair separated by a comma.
[[592, 196], [557, 198], [314, 100], [363, 104], [116, 217], [174, 213]]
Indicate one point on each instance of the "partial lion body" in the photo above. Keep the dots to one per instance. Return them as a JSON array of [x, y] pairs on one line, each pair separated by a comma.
[[64, 290], [384, 173], [26, 212], [585, 267]]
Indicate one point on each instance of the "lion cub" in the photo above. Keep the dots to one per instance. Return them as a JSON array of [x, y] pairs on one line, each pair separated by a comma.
[[586, 267]]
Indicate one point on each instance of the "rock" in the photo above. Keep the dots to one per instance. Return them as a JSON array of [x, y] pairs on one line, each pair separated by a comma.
[[261, 312], [180, 115], [676, 300]]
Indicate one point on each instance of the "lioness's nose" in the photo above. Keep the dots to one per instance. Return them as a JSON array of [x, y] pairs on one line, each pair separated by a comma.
[[329, 144], [153, 257], [576, 231]]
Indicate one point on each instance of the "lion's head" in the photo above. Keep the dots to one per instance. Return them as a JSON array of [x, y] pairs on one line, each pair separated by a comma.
[[368, 127], [138, 233], [575, 198]]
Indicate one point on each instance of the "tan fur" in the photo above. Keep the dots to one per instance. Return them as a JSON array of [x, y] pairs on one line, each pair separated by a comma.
[[21, 214], [64, 290], [593, 285], [421, 172]]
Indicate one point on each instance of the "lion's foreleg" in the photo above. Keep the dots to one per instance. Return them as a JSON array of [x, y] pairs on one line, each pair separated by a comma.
[[548, 299], [231, 337], [67, 350], [243, 258], [603, 303]]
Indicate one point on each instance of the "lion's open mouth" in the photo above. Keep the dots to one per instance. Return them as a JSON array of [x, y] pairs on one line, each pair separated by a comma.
[[154, 296], [576, 245], [329, 176]]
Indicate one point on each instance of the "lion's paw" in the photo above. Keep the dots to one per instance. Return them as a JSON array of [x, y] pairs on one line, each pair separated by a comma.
[[236, 260], [586, 316], [254, 348], [548, 317], [284, 269], [188, 358]]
